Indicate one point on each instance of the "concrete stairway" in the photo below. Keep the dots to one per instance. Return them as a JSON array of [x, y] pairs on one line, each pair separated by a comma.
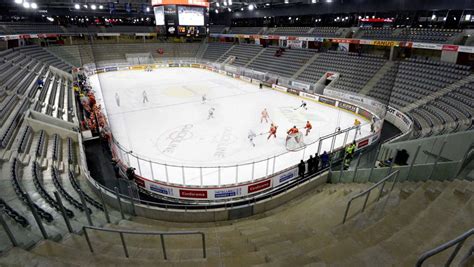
[[307, 231], [224, 56], [255, 57], [202, 49], [379, 75], [69, 54], [308, 63], [438, 94], [86, 54]]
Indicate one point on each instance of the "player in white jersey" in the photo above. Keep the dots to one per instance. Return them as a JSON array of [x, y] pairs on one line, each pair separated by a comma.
[[265, 116], [303, 105], [203, 99], [251, 136], [145, 97], [117, 99], [211, 113]]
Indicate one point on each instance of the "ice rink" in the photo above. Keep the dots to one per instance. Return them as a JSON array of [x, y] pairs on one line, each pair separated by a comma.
[[172, 127]]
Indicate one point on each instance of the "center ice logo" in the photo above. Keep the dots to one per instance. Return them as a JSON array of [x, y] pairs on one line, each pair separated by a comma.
[[223, 142], [176, 137], [292, 117]]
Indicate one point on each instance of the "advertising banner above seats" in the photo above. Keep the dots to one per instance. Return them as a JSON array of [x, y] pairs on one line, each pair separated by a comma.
[[388, 43], [202, 3]]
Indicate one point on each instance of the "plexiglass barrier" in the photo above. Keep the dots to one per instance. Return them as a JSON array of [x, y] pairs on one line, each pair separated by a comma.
[[232, 174], [247, 177]]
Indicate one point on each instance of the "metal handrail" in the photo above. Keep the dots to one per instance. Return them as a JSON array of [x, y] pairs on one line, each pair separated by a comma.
[[125, 155], [131, 232], [139, 157], [369, 190], [221, 66], [458, 240], [209, 205]]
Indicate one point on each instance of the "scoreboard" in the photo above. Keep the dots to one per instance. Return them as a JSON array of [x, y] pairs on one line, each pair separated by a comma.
[[182, 17]]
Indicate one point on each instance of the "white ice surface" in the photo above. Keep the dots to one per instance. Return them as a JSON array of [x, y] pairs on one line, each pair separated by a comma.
[[173, 128]]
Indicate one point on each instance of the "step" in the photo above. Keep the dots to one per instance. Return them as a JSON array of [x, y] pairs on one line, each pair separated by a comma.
[[365, 249], [357, 241], [21, 257]]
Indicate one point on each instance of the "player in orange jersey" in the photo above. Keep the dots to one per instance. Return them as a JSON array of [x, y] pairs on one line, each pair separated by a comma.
[[293, 130], [273, 130], [308, 127]]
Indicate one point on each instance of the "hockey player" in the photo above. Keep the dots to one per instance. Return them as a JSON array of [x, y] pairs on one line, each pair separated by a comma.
[[357, 125], [265, 116], [117, 99], [303, 105], [145, 97], [308, 127], [211, 113], [203, 99], [273, 130], [291, 131], [251, 136]]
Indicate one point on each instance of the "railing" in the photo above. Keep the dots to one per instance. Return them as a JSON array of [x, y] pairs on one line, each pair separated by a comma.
[[161, 234], [234, 173], [458, 241], [130, 198], [171, 174], [369, 190]]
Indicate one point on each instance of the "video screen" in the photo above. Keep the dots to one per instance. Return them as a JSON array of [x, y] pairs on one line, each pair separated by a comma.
[[191, 16], [159, 15]]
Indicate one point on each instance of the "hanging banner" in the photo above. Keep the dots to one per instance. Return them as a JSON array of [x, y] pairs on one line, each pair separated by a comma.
[[295, 43], [301, 86], [453, 48]]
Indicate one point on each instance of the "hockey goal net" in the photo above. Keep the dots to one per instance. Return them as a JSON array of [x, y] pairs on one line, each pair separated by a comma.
[[295, 142]]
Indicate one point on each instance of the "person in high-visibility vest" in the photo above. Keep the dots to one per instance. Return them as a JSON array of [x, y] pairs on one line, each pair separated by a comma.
[[350, 149]]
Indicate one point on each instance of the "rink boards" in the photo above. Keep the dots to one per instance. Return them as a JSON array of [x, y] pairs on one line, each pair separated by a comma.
[[228, 191]]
